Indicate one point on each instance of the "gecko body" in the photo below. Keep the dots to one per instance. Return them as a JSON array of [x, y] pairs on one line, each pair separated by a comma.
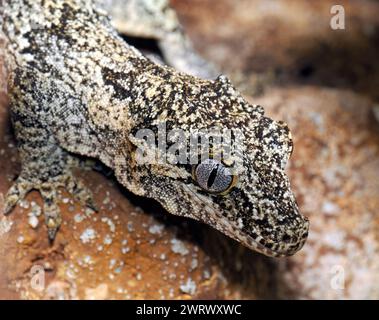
[[76, 87]]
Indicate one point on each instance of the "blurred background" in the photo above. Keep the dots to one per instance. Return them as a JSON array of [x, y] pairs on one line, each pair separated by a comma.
[[324, 83]]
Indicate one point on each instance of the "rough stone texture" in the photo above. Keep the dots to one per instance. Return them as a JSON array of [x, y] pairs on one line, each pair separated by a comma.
[[288, 41], [334, 172]]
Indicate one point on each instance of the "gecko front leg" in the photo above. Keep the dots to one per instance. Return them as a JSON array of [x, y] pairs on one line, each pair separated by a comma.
[[46, 166]]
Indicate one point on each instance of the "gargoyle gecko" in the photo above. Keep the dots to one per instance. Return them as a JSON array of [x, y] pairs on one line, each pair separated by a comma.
[[76, 87]]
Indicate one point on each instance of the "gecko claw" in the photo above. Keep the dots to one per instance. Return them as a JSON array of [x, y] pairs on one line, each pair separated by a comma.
[[52, 213], [91, 204], [51, 233]]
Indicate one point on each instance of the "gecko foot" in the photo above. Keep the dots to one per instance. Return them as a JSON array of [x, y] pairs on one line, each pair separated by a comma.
[[49, 192]]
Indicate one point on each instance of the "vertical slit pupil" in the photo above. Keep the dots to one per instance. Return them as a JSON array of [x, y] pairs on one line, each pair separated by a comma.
[[212, 177]]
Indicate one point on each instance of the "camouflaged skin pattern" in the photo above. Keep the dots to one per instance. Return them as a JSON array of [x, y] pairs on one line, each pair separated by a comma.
[[77, 88]]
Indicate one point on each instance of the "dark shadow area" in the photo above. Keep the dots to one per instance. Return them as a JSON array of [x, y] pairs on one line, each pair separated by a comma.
[[338, 60], [143, 44]]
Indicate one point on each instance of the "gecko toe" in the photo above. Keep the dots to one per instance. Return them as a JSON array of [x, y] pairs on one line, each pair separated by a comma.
[[51, 233], [16, 193], [51, 210], [78, 189], [10, 202], [52, 224]]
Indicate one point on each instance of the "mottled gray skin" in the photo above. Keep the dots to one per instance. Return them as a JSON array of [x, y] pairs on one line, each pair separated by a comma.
[[77, 88]]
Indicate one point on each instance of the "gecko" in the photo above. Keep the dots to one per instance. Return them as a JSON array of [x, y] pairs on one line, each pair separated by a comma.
[[77, 88]]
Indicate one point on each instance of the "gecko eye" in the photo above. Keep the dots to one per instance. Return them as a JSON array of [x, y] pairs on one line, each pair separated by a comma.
[[213, 176]]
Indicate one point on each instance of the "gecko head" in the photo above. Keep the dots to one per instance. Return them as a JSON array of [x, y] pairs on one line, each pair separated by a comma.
[[252, 201], [246, 196]]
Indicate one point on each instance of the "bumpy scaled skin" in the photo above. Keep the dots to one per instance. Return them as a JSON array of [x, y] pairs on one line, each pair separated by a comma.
[[77, 88]]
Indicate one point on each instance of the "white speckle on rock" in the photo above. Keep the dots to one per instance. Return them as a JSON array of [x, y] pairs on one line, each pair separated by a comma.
[[194, 264], [24, 204], [88, 235], [178, 246], [78, 218], [125, 250], [110, 224], [130, 226], [189, 287], [330, 208], [88, 260], [118, 269], [206, 274], [112, 263], [33, 221], [107, 240], [156, 229], [172, 276], [20, 239]]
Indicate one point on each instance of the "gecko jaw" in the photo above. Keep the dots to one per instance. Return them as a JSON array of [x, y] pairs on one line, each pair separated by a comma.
[[216, 219]]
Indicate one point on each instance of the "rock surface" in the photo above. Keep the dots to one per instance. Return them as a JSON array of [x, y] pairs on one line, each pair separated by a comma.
[[133, 249], [288, 41]]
